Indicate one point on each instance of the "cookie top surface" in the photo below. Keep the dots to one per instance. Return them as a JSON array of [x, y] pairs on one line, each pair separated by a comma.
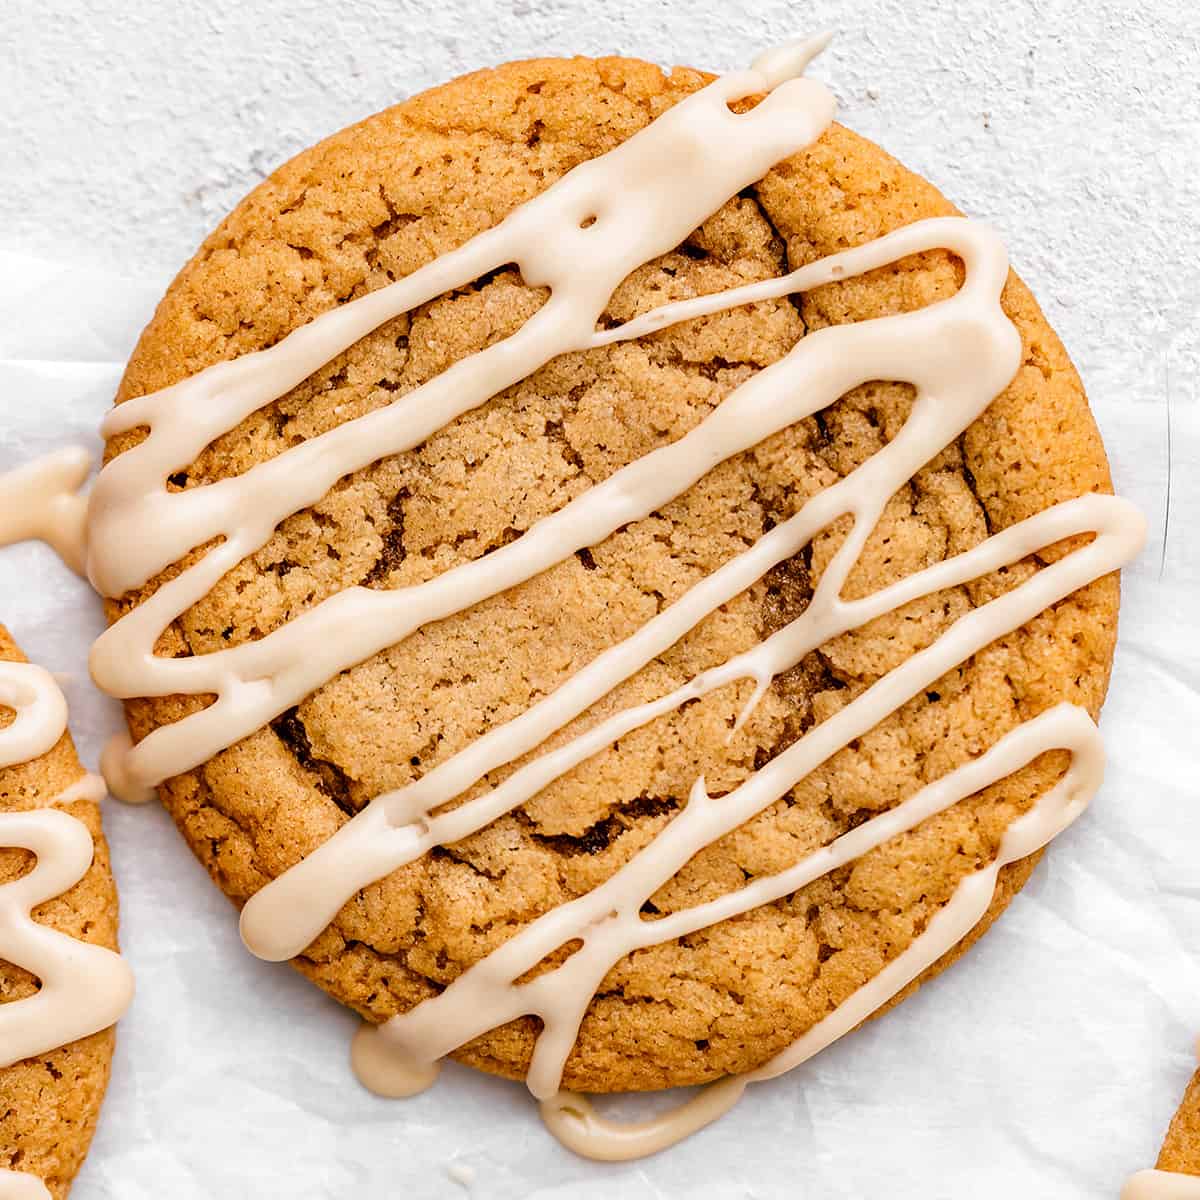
[[49, 1103], [372, 204]]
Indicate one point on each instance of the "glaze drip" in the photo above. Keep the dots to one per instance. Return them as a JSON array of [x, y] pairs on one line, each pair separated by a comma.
[[39, 708], [41, 501]]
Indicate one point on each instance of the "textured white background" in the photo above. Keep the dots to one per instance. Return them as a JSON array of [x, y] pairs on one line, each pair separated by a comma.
[[1050, 1064]]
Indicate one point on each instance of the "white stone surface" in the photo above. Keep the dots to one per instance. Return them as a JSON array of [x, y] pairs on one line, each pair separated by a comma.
[[128, 128]]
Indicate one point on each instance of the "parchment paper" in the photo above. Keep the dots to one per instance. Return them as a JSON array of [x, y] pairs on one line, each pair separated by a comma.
[[1047, 1064]]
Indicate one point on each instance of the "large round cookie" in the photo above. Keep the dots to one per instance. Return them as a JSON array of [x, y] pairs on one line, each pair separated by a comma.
[[49, 1103], [378, 200]]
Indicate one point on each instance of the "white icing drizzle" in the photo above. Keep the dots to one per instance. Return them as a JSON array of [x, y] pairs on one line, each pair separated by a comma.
[[388, 1074], [580, 238], [114, 766], [1161, 1185], [40, 500], [40, 712], [19, 1185], [574, 1121]]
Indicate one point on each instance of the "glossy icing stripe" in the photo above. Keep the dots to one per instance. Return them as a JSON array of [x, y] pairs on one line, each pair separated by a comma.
[[40, 712]]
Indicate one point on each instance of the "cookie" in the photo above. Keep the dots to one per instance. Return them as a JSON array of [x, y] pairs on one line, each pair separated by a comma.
[[376, 203], [50, 1100], [1177, 1174]]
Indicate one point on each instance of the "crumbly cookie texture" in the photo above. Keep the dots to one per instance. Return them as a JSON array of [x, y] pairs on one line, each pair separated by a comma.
[[49, 1104], [378, 200], [1181, 1147]]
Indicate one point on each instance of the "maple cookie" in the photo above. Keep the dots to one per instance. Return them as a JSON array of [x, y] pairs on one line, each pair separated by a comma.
[[1177, 1173], [61, 987], [368, 668]]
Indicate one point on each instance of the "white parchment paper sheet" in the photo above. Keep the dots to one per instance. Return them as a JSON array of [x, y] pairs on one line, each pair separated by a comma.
[[1045, 1065]]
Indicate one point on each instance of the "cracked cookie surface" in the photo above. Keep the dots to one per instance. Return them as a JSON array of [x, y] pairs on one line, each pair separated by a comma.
[[380, 199], [49, 1103]]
